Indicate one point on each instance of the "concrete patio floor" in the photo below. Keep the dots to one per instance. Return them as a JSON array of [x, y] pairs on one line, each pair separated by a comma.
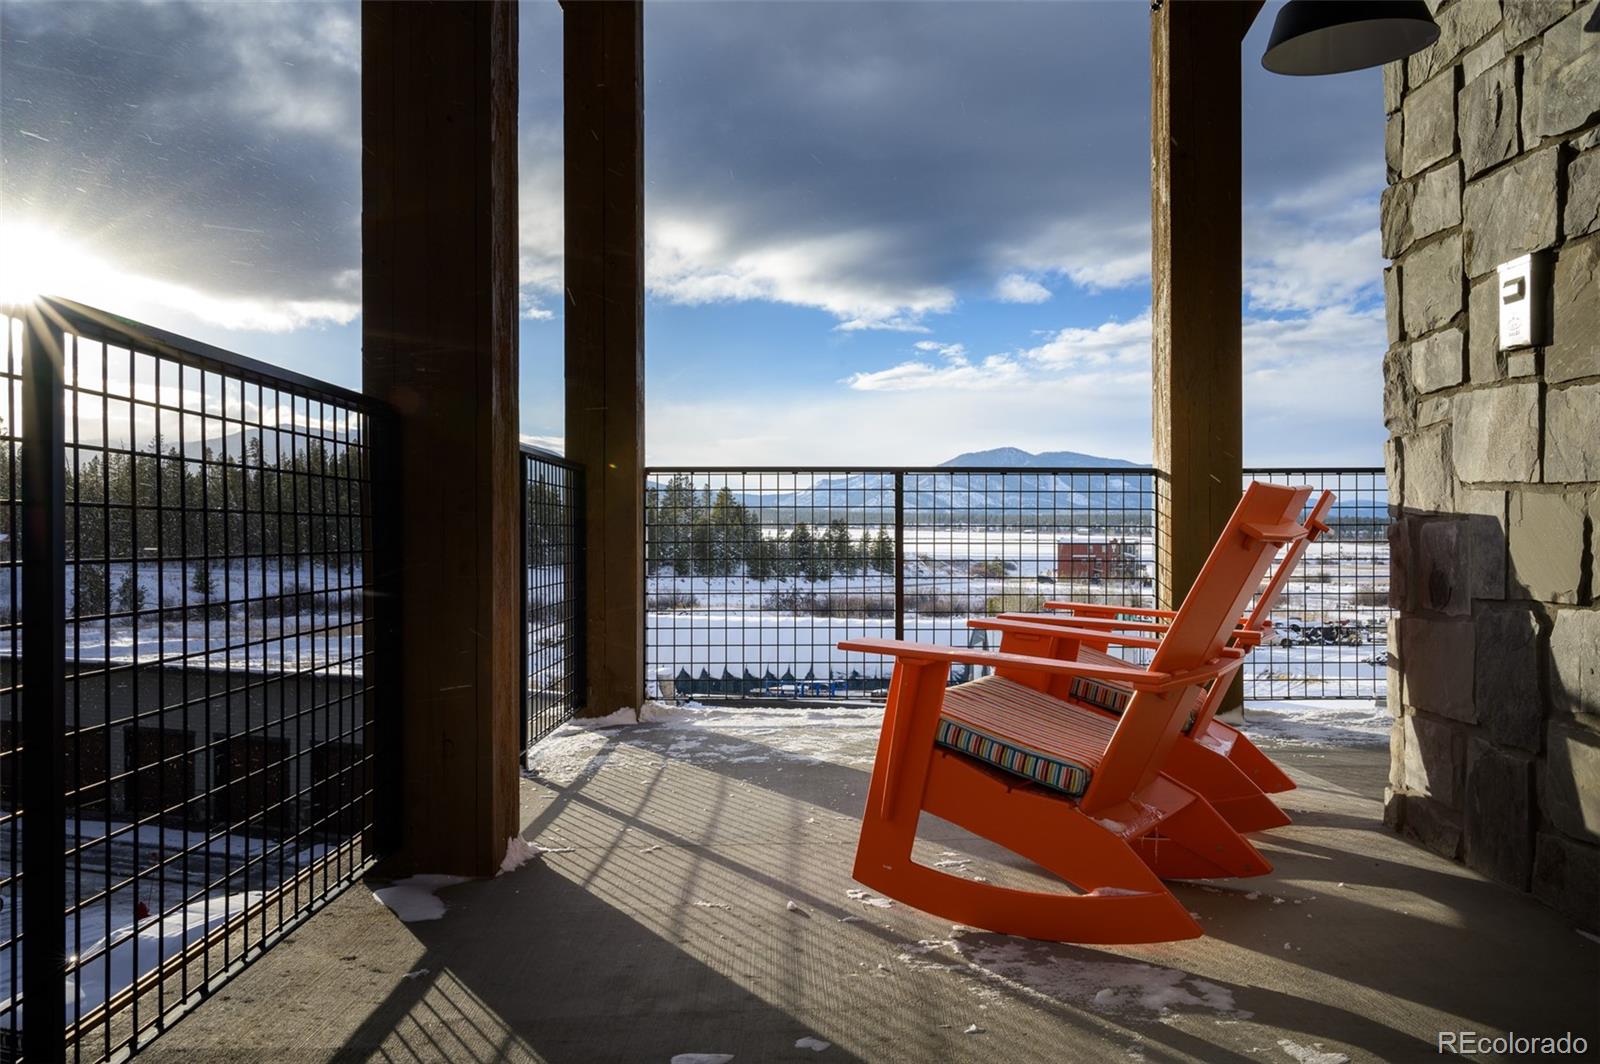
[[661, 926]]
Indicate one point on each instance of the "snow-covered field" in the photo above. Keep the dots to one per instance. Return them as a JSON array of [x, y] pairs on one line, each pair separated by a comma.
[[778, 635]]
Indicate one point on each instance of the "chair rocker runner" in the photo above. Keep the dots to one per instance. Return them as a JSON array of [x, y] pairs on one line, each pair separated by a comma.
[[1074, 790]]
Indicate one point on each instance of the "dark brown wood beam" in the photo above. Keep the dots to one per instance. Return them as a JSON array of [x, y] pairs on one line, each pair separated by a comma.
[[439, 354], [604, 104], [1196, 278]]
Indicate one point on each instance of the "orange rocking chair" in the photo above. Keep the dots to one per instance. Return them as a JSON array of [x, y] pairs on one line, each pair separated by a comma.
[[1078, 792], [1214, 758]]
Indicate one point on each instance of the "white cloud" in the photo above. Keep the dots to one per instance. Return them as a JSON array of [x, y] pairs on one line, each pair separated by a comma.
[[893, 323], [1098, 252], [558, 444], [950, 351], [1110, 344], [701, 260], [1316, 246], [1114, 350], [1015, 288], [1311, 385], [901, 426], [996, 371]]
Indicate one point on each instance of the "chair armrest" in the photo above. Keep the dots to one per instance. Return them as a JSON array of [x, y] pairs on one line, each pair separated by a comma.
[[1106, 623], [1101, 609], [1136, 678], [1242, 631], [1082, 635]]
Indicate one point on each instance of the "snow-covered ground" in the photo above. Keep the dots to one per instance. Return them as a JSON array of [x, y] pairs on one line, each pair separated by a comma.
[[1330, 636], [108, 942]]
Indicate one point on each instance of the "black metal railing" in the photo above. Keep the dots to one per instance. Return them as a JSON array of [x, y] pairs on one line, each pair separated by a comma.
[[552, 541], [753, 575], [188, 759]]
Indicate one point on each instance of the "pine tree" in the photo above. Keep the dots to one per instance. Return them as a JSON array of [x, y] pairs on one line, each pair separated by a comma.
[[677, 522], [763, 558], [130, 595], [727, 537], [803, 552], [838, 549], [883, 553], [201, 582], [90, 585]]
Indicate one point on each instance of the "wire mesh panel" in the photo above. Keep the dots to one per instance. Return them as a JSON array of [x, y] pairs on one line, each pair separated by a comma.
[[1330, 635], [753, 576], [983, 542], [551, 540], [217, 767], [10, 710]]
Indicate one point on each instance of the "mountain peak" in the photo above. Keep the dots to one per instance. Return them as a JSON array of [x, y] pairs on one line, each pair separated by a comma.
[[1016, 457]]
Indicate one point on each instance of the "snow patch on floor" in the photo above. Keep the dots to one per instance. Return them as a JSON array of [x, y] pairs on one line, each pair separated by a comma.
[[413, 899], [701, 1058], [708, 735], [695, 733], [1043, 970], [519, 851], [620, 719], [1313, 1054]]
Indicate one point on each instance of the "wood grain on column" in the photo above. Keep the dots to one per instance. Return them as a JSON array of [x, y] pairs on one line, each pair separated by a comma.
[[1196, 277], [439, 319], [604, 119]]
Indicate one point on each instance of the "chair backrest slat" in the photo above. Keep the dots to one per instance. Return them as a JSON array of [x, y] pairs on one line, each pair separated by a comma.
[[1289, 563], [1203, 627]]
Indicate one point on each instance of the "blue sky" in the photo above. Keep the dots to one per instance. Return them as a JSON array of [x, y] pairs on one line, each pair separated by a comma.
[[875, 232]]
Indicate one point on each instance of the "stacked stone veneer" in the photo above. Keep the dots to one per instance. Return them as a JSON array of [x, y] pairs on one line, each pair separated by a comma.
[[1493, 150]]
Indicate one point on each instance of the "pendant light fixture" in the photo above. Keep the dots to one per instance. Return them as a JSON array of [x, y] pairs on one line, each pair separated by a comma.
[[1333, 36]]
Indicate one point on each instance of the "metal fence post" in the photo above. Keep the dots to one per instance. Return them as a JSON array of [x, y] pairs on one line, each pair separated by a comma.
[[382, 610], [44, 611], [900, 555], [523, 591], [580, 591]]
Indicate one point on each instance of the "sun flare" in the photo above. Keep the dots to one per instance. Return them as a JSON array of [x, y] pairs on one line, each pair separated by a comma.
[[35, 261]]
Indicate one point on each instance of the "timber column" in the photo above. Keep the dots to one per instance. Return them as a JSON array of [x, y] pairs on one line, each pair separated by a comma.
[[439, 358], [1196, 281], [604, 119]]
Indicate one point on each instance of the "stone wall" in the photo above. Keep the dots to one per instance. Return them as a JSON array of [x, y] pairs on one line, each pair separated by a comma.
[[1493, 150]]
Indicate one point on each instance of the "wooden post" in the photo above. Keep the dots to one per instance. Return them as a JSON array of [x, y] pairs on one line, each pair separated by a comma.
[[439, 350], [604, 80], [1196, 281]]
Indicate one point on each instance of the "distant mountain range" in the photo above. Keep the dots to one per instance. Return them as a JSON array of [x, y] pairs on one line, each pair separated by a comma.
[[1018, 458], [1107, 490], [987, 496]]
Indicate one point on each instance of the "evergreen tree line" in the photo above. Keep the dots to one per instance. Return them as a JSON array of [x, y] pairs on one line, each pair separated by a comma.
[[695, 533], [550, 523], [158, 505]]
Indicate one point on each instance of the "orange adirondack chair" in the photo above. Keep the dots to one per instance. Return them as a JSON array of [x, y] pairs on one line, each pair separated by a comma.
[[1215, 759], [1074, 790]]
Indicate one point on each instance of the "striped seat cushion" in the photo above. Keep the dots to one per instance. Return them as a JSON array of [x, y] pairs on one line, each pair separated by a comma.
[[1106, 696], [1025, 733], [1113, 698]]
